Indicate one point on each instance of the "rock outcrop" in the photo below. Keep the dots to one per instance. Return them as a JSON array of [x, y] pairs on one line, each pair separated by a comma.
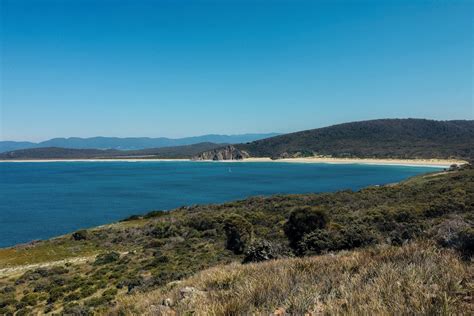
[[225, 153]]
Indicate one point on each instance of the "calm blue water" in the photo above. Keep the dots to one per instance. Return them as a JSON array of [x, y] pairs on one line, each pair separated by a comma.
[[41, 200]]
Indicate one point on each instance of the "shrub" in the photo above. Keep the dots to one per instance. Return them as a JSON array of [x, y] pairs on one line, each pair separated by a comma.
[[203, 222], [164, 230], [76, 310], [456, 234], [131, 218], [55, 295], [80, 235], [74, 296], [153, 214], [108, 257], [322, 240], [403, 232], [263, 250], [109, 294], [30, 299], [356, 236], [238, 233], [318, 241], [466, 242], [130, 283], [304, 220], [7, 300]]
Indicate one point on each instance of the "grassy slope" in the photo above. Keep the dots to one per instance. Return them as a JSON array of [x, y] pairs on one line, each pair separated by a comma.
[[416, 278], [165, 246]]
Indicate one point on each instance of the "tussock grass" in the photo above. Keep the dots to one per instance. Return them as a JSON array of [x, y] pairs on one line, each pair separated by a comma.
[[417, 278]]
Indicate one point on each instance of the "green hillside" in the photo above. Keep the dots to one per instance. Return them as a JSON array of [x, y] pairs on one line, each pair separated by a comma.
[[113, 267], [386, 138]]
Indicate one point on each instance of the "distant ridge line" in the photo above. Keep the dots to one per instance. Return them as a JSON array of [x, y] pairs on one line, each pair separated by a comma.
[[132, 143]]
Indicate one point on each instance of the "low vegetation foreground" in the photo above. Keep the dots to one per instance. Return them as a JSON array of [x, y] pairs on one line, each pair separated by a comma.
[[397, 249]]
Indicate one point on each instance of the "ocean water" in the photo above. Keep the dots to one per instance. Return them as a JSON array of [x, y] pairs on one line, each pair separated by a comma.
[[42, 200]]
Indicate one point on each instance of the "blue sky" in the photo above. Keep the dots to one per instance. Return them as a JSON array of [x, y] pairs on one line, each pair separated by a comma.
[[182, 68]]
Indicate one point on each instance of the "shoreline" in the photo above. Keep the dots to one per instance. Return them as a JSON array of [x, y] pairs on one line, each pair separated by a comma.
[[435, 163]]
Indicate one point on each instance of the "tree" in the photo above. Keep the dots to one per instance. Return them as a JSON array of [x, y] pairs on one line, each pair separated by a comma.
[[302, 221], [238, 232]]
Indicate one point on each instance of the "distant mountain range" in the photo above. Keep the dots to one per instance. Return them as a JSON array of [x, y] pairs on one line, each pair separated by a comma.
[[384, 138], [131, 143]]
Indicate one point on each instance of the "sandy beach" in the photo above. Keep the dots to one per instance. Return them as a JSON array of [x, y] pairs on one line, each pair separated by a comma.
[[443, 163], [436, 163]]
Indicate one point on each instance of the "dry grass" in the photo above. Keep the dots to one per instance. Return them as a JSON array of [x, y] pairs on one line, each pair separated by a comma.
[[413, 279]]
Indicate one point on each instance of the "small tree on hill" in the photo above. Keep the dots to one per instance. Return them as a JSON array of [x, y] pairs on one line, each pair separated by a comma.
[[238, 232], [302, 221]]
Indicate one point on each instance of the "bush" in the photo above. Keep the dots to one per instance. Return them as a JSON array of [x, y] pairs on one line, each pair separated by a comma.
[[30, 299], [203, 222], [131, 218], [456, 234], [80, 235], [321, 240], [356, 236], [238, 232], [154, 214], [164, 230], [466, 242], [108, 257], [317, 242], [55, 295], [263, 250], [403, 232], [302, 221], [76, 310]]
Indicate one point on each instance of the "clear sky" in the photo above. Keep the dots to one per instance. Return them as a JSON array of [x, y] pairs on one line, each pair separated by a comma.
[[182, 68]]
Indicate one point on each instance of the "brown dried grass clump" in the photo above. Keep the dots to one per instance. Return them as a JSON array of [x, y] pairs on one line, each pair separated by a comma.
[[417, 278]]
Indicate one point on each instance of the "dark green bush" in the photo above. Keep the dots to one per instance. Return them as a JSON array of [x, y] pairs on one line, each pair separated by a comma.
[[153, 214], [131, 218], [302, 221], [109, 294], [238, 232], [203, 223], [74, 296], [55, 295], [108, 257], [80, 235], [164, 230], [30, 299], [466, 242], [263, 250], [76, 310], [318, 241], [356, 236], [404, 232], [322, 240], [7, 300]]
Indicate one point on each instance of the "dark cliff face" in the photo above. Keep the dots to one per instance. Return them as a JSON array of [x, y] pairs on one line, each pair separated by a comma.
[[226, 153]]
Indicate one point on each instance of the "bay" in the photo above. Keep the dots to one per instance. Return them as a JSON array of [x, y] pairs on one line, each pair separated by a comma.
[[47, 199]]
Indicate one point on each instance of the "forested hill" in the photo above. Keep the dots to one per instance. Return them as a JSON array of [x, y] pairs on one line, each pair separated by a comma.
[[187, 151], [385, 138]]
